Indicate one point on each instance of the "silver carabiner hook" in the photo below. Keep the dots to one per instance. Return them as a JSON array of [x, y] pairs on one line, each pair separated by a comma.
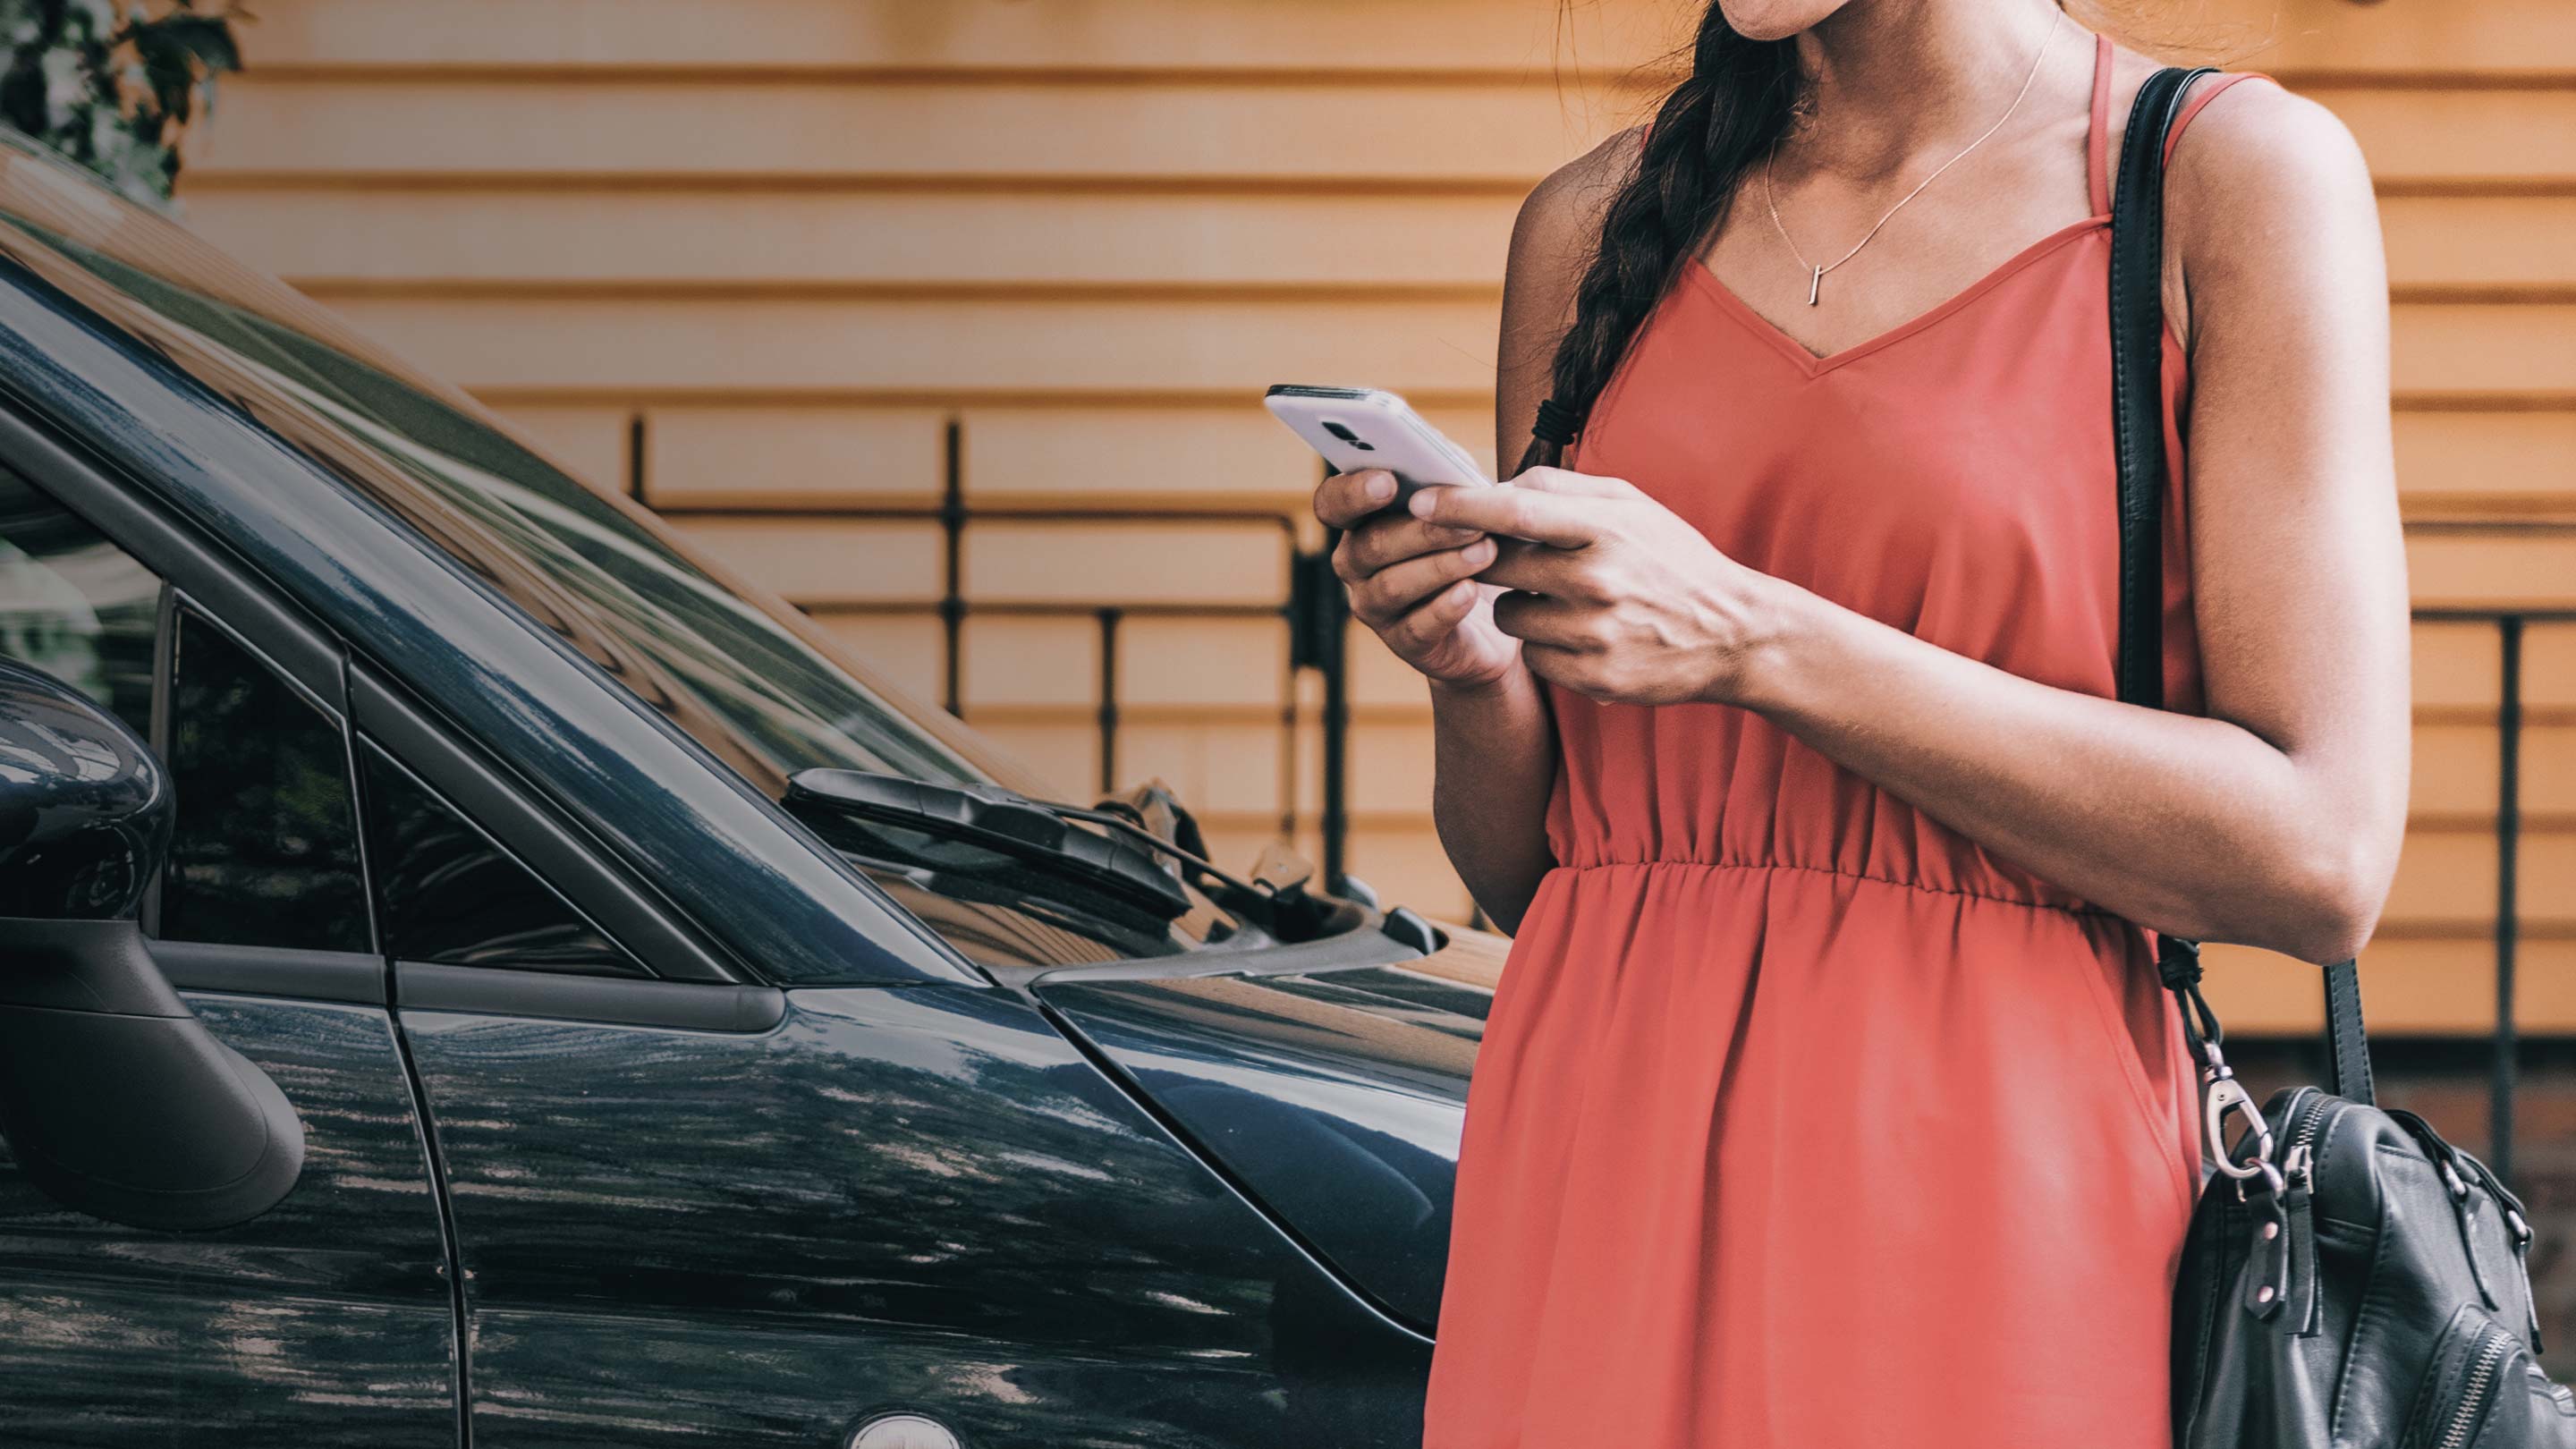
[[2224, 1095]]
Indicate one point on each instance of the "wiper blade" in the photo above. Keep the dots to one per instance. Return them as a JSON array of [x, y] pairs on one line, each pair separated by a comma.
[[839, 804], [1120, 863]]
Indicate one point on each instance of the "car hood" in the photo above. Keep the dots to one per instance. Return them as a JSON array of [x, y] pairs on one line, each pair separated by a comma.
[[1332, 1095]]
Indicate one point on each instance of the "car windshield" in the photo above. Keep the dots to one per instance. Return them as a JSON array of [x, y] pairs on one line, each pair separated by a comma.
[[750, 677]]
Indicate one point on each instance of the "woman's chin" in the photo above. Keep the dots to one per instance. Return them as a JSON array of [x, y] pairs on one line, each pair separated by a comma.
[[1776, 19]]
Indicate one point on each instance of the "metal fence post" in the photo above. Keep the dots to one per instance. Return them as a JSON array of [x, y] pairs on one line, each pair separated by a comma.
[[2508, 863]]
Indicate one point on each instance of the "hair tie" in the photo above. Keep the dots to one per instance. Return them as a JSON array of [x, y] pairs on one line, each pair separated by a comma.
[[1557, 424]]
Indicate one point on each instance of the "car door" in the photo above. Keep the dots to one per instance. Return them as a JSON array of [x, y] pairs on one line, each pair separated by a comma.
[[705, 1210], [329, 1319]]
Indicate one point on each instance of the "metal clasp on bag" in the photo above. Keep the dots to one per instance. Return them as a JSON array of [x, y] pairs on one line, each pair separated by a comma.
[[2222, 1094]]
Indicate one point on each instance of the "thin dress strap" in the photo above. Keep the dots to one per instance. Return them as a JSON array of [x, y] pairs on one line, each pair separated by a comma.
[[2097, 140], [2203, 94]]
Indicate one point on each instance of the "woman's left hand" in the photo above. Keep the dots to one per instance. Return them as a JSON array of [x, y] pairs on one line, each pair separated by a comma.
[[1613, 595]]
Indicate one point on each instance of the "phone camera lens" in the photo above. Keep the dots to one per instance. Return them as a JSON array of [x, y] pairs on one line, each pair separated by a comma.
[[1346, 435]]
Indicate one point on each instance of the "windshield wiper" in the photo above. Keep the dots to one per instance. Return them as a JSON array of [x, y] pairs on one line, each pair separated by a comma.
[[1119, 859]]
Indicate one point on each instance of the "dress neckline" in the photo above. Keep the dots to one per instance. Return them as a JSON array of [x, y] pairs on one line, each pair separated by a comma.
[[2096, 184], [1816, 364]]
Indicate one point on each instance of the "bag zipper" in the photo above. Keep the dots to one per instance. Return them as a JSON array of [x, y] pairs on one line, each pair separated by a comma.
[[2309, 1115], [2481, 1383]]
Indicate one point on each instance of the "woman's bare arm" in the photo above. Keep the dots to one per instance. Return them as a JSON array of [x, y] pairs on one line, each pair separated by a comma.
[[1494, 747], [1413, 583]]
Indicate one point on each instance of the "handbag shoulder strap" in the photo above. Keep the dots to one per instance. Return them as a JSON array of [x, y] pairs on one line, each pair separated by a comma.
[[2137, 411]]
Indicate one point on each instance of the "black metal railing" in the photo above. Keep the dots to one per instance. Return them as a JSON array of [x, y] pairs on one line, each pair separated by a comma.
[[2504, 1066]]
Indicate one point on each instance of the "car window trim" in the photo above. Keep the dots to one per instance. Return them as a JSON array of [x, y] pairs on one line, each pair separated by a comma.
[[292, 972], [730, 1008], [622, 910]]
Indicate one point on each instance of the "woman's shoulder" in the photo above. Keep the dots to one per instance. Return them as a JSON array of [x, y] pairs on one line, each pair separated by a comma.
[[1569, 203], [2246, 134], [1559, 225]]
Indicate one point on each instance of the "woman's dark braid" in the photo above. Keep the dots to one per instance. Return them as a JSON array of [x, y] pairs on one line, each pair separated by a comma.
[[1706, 136]]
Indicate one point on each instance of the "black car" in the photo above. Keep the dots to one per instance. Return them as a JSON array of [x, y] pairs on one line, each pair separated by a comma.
[[603, 1015]]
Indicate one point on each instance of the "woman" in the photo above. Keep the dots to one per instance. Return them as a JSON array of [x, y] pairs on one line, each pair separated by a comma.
[[1829, 1098]]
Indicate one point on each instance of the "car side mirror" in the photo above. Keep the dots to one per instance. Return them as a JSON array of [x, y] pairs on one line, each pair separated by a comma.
[[114, 1097]]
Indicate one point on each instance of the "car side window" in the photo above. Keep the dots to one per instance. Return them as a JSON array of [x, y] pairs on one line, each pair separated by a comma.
[[447, 894], [265, 850], [75, 605]]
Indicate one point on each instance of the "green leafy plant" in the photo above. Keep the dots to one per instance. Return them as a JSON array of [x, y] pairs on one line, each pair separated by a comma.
[[114, 88]]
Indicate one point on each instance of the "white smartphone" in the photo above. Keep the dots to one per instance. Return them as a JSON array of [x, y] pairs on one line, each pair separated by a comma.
[[1366, 427]]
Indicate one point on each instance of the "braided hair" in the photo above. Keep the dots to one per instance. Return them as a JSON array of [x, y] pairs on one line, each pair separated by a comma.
[[1705, 137]]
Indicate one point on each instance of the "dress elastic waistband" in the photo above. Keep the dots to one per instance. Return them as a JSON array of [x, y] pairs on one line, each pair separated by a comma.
[[2068, 907]]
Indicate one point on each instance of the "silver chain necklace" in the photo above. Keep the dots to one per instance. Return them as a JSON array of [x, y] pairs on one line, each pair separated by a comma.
[[1816, 274]]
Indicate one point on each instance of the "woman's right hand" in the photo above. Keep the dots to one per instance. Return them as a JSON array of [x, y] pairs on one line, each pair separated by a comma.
[[1413, 582]]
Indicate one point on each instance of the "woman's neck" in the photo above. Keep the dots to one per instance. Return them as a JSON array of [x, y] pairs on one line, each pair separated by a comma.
[[1891, 80]]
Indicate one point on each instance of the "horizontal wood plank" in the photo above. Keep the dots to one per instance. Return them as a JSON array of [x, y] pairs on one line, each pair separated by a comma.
[[1492, 134], [2491, 569], [962, 348], [1068, 758], [2486, 463], [801, 35], [702, 458], [1489, 135], [1125, 563], [2446, 884], [591, 443], [2434, 988], [1183, 662], [2439, 350], [911, 651], [651, 239], [1077, 347], [649, 242], [2459, 670], [1137, 456], [827, 562], [2498, 36], [1030, 661]]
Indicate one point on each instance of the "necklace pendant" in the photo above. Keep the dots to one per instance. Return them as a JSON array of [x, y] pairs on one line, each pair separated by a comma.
[[1815, 284]]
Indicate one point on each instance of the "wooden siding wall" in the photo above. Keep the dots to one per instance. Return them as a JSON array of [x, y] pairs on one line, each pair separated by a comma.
[[754, 258]]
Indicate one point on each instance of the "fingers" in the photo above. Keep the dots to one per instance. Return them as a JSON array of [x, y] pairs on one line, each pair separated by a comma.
[[1419, 631], [1387, 595], [1346, 498], [1558, 520], [1573, 485], [1558, 573], [1383, 542], [1575, 669], [1551, 623]]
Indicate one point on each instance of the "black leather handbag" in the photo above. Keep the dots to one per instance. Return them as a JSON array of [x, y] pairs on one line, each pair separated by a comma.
[[2350, 1281]]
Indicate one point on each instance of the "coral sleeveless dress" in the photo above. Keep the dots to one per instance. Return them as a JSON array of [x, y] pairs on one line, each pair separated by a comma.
[[1802, 1122]]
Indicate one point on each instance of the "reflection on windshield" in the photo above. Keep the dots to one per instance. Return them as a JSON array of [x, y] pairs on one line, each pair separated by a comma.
[[758, 688]]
